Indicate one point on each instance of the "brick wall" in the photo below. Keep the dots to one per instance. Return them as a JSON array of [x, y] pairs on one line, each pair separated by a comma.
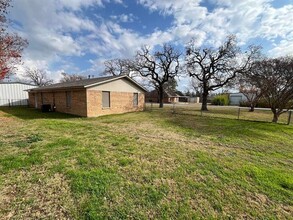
[[31, 99], [120, 102], [78, 101], [88, 102]]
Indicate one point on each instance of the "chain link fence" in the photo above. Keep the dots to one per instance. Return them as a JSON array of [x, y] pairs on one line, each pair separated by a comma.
[[13, 102], [231, 112]]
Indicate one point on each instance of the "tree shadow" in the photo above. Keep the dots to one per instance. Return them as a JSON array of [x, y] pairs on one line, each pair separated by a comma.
[[27, 113]]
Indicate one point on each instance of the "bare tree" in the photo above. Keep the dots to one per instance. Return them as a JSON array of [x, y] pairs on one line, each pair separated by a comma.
[[66, 77], [117, 67], [196, 87], [275, 79], [159, 67], [215, 68], [38, 77], [251, 91]]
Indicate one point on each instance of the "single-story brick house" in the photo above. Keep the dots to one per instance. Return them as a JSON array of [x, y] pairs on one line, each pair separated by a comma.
[[91, 97], [168, 97]]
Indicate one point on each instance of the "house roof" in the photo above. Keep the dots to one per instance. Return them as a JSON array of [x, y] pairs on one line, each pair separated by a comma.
[[85, 83], [168, 94]]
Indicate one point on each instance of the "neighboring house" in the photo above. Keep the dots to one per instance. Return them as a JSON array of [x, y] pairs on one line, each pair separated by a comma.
[[91, 97], [194, 99], [168, 97], [236, 98], [14, 93]]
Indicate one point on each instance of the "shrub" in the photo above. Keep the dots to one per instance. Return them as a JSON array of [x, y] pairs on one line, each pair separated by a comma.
[[244, 104], [221, 100]]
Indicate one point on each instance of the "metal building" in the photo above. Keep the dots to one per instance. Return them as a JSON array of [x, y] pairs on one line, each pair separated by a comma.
[[237, 98], [14, 93]]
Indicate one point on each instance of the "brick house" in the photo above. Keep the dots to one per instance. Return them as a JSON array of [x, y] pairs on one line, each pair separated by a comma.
[[168, 97], [91, 97]]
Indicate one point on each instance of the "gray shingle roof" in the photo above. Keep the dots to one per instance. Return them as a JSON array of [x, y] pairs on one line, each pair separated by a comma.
[[84, 83]]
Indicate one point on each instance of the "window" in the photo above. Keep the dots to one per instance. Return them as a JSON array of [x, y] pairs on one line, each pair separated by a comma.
[[135, 99], [106, 99], [68, 99]]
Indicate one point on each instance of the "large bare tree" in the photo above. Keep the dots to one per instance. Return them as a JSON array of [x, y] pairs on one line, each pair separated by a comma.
[[66, 77], [216, 68], [38, 77], [117, 67], [159, 67], [274, 77]]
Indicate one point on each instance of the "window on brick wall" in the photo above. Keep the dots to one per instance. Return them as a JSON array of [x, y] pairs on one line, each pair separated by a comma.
[[68, 99], [135, 99], [105, 99]]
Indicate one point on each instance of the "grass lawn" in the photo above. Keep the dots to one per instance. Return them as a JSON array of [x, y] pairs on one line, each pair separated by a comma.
[[145, 165]]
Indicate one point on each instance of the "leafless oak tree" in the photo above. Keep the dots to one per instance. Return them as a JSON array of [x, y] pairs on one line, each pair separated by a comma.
[[38, 77], [275, 79], [159, 67], [215, 68], [117, 67], [66, 77]]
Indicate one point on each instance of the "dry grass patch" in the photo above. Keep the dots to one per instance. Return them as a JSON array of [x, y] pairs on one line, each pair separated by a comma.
[[33, 194]]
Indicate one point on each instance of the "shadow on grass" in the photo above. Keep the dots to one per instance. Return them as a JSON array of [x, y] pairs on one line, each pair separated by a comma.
[[26, 113]]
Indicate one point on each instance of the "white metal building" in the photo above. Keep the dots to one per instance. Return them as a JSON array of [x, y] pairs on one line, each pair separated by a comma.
[[14, 93], [236, 98]]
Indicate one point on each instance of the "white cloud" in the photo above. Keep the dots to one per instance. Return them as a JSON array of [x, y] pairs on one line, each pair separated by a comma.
[[284, 47], [124, 18], [58, 28]]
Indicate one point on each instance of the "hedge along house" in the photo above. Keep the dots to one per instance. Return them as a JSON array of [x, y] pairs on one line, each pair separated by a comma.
[[91, 97]]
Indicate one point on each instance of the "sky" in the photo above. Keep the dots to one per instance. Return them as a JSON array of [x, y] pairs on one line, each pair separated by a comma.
[[77, 36]]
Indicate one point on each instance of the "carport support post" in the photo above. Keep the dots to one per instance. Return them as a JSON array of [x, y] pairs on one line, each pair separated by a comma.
[[289, 117], [238, 114]]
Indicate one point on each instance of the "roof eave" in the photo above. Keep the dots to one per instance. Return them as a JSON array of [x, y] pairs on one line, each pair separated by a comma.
[[113, 79], [56, 89]]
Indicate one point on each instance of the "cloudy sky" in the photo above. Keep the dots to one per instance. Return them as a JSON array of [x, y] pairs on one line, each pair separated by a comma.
[[77, 36]]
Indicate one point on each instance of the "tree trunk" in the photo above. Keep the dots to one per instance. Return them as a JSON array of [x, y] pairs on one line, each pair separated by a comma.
[[251, 108], [276, 117], [161, 97], [204, 105]]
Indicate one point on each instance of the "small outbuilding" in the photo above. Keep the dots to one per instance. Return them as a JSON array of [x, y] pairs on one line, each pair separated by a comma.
[[90, 97], [236, 98], [14, 93]]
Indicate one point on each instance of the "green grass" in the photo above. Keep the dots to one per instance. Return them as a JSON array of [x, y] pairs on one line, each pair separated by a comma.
[[144, 165]]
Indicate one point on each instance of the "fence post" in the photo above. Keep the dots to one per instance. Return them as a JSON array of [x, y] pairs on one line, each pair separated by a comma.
[[173, 109], [200, 112], [238, 114], [289, 117]]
